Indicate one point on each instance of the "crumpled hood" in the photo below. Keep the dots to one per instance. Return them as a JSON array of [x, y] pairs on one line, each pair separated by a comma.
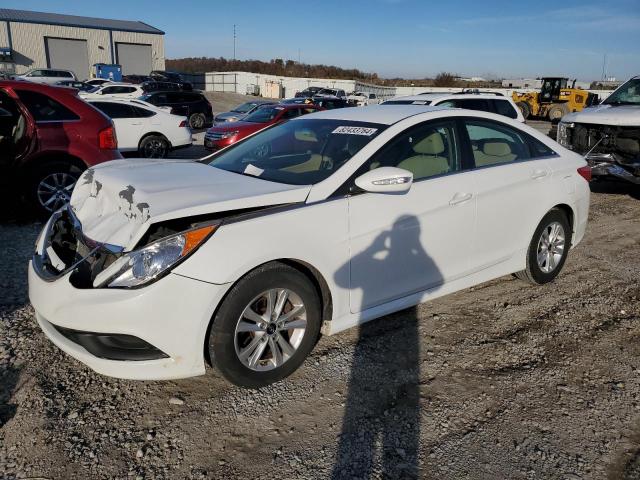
[[117, 201], [618, 115]]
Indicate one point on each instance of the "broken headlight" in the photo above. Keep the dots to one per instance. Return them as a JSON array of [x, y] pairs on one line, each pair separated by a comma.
[[146, 264], [563, 134]]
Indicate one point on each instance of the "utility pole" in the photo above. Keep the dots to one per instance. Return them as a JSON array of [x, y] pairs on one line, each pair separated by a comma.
[[234, 41], [604, 68]]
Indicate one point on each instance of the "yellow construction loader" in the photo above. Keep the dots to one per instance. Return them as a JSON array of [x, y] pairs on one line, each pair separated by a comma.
[[555, 99]]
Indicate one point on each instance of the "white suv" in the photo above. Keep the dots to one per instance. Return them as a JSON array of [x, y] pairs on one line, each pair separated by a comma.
[[116, 90], [47, 75], [484, 102]]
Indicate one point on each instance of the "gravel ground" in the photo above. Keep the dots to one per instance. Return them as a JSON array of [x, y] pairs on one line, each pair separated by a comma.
[[503, 380]]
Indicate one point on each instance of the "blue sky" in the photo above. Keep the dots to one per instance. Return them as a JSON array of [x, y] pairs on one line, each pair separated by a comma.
[[408, 38]]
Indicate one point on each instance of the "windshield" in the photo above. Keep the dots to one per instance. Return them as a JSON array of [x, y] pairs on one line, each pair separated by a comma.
[[299, 152], [327, 91], [627, 94], [263, 114], [245, 107]]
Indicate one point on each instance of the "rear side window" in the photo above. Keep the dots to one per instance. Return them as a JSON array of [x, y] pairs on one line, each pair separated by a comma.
[[494, 143], [63, 74], [539, 149], [143, 112], [115, 110], [468, 103], [117, 89], [44, 108], [503, 107]]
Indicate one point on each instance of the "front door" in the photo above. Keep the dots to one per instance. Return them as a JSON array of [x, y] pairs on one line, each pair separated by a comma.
[[405, 244]]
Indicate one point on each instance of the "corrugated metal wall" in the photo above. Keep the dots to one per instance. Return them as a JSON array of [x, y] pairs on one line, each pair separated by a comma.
[[4, 37], [29, 44]]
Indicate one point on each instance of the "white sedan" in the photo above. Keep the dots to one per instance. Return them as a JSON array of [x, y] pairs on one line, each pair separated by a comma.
[[144, 128], [309, 227]]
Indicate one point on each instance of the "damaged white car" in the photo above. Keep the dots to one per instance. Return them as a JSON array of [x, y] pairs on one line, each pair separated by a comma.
[[312, 226]]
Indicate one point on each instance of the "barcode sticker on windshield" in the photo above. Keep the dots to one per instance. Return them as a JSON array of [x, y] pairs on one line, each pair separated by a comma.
[[356, 131]]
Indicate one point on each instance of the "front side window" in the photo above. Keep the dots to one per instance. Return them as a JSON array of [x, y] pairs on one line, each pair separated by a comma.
[[494, 143], [37, 73], [44, 108], [427, 150], [300, 152]]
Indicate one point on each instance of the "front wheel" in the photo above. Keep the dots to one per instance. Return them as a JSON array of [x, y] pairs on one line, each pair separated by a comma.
[[266, 326], [548, 249]]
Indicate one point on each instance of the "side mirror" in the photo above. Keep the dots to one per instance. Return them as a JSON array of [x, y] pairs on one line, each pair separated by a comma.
[[385, 180]]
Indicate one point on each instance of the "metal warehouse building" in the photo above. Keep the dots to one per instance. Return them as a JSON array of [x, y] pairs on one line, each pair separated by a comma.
[[48, 40]]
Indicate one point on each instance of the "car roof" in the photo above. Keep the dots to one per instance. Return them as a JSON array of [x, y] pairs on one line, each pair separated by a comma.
[[24, 85], [386, 115], [437, 96], [120, 84]]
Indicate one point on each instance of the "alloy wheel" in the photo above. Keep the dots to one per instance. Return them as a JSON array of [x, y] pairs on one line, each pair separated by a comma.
[[551, 247], [55, 189], [154, 149], [270, 329]]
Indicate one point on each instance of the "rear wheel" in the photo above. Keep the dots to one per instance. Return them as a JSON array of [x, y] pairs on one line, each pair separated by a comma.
[[525, 109], [154, 146], [50, 186], [266, 326], [548, 249], [196, 121]]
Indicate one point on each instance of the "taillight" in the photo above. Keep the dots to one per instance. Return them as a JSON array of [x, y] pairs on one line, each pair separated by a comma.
[[585, 172], [107, 139], [183, 123]]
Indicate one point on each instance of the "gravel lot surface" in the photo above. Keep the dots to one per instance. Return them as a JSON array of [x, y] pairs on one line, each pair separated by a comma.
[[504, 380]]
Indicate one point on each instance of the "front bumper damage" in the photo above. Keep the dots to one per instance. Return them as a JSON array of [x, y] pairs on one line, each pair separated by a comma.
[[150, 333], [610, 151]]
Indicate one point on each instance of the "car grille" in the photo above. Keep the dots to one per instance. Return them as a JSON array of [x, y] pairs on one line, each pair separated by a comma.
[[66, 249]]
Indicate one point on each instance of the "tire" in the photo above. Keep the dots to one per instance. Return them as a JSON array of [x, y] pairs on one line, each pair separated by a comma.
[[525, 109], [50, 186], [550, 266], [197, 121], [557, 111], [234, 335], [154, 146]]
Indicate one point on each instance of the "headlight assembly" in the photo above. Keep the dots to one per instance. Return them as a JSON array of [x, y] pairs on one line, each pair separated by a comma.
[[230, 134], [146, 264]]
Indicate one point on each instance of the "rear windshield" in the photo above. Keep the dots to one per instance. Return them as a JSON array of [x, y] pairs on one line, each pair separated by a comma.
[[298, 152]]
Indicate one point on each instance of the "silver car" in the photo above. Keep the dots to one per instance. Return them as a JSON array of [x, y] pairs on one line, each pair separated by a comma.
[[240, 111], [47, 75]]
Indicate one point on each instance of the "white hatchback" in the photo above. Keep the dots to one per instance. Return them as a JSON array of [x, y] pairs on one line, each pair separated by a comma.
[[144, 128], [311, 226]]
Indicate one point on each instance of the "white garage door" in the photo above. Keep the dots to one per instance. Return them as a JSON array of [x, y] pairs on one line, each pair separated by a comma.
[[68, 54], [134, 58]]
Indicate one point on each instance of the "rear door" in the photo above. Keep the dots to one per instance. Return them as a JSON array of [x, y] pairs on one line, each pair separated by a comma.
[[509, 180]]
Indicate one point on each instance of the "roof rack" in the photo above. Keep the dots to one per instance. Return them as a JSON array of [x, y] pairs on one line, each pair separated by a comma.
[[475, 91]]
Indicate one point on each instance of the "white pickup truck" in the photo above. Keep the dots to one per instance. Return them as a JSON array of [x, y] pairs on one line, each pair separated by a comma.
[[361, 99], [608, 134]]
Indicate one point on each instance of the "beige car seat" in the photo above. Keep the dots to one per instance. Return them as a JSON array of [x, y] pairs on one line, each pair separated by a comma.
[[428, 160], [494, 152]]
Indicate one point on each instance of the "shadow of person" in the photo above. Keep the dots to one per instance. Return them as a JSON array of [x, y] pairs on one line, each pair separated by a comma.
[[381, 425]]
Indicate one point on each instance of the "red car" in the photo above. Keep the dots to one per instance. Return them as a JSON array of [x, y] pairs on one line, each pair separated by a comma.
[[224, 135], [48, 136]]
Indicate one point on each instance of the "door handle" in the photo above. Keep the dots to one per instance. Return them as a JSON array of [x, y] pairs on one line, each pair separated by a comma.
[[136, 123], [539, 174], [460, 198]]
